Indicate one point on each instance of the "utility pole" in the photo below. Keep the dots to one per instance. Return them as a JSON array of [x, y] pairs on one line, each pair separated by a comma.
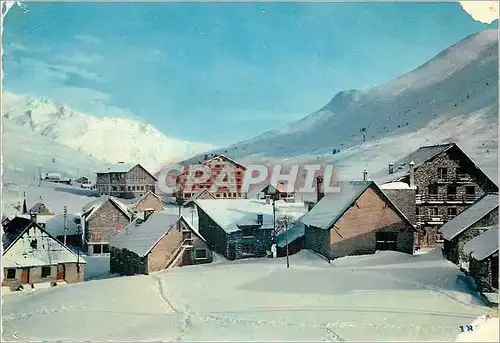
[[286, 242], [78, 250], [65, 215]]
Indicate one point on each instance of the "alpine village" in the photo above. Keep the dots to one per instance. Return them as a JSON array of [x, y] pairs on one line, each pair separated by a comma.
[[434, 198]]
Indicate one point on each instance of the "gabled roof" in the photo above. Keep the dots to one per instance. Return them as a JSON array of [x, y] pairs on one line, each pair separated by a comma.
[[92, 207], [296, 231], [270, 189], [141, 238], [419, 157], [36, 208], [333, 205], [123, 168], [225, 158], [469, 216], [230, 214], [52, 251], [484, 245], [198, 194]]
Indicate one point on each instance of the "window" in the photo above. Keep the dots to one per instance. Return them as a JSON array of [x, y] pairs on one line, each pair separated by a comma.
[[470, 190], [46, 271], [443, 173], [122, 188], [247, 248], [105, 248], [33, 244], [11, 274], [434, 211], [142, 188], [460, 171], [97, 249], [129, 188], [217, 195], [452, 211], [451, 190], [247, 231], [152, 188], [433, 189], [234, 195], [186, 235], [133, 188], [187, 195], [113, 188], [200, 254], [417, 210]]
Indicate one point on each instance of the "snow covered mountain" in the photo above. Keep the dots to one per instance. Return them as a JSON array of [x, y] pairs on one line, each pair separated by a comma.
[[108, 139], [453, 97]]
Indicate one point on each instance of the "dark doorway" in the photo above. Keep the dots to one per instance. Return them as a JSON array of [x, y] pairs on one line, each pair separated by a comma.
[[386, 240], [494, 272]]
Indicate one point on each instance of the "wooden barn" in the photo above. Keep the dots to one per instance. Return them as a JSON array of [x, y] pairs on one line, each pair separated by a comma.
[[482, 253], [162, 241], [470, 223], [31, 255], [360, 219], [148, 202]]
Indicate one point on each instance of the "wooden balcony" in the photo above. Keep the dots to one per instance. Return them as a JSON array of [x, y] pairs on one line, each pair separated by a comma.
[[457, 178], [436, 219], [445, 199]]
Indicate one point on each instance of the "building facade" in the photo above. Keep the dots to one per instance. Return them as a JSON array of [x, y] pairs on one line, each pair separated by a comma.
[[102, 219], [31, 256], [446, 182], [125, 181], [217, 165], [162, 241], [360, 219]]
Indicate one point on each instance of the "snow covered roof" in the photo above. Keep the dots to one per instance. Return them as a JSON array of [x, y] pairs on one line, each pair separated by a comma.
[[117, 168], [225, 158], [92, 207], [55, 225], [419, 156], [39, 206], [484, 245], [469, 216], [40, 218], [19, 251], [198, 194], [296, 231], [397, 185], [141, 238], [333, 205], [229, 213], [54, 176]]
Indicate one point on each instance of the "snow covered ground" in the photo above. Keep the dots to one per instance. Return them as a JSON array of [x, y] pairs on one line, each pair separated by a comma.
[[386, 296]]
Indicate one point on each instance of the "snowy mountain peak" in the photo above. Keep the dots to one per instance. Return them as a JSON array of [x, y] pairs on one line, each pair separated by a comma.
[[101, 138]]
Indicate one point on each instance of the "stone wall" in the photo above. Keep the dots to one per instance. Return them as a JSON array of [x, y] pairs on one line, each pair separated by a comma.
[[482, 273], [404, 200], [317, 240]]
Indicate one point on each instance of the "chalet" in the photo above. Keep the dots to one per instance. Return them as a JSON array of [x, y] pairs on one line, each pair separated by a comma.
[[360, 219], [467, 225], [102, 219], [279, 192], [125, 181], [239, 228], [446, 182], [31, 255], [161, 241], [216, 164], [67, 230], [482, 252]]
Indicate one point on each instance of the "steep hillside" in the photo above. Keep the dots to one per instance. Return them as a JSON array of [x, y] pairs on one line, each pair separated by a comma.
[[108, 139], [453, 97]]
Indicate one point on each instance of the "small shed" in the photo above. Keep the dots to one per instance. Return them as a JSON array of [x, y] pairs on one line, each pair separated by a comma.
[[482, 252]]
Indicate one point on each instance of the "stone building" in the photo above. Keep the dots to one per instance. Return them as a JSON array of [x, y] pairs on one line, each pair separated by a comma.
[[240, 228], [470, 223], [148, 201], [482, 252], [161, 241], [446, 182], [279, 192], [360, 219], [31, 256], [125, 181], [102, 219]]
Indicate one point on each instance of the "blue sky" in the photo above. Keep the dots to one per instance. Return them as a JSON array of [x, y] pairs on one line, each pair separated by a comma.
[[218, 72]]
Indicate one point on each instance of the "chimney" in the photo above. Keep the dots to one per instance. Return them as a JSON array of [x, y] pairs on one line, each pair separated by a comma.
[[365, 175], [260, 219], [411, 172], [391, 168], [319, 188]]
